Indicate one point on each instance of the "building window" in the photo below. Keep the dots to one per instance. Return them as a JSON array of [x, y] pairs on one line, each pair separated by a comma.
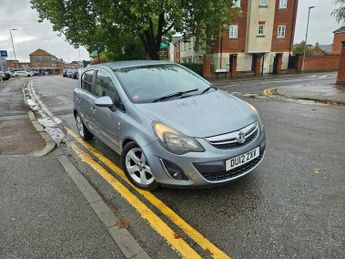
[[263, 3], [237, 3], [281, 31], [282, 4], [233, 31], [261, 30]]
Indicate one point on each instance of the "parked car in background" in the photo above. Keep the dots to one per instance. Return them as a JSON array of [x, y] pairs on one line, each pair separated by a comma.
[[170, 126], [71, 73], [22, 74], [5, 75], [76, 74], [64, 74]]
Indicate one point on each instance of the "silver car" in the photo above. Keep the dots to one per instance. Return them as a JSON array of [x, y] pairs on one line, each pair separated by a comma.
[[170, 126]]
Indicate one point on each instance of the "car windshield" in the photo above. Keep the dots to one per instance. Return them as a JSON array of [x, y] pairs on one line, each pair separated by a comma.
[[150, 83]]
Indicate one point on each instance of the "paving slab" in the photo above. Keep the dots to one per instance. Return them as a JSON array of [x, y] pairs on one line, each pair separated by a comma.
[[44, 215]]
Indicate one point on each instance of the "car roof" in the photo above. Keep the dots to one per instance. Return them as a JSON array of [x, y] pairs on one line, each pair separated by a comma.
[[132, 63]]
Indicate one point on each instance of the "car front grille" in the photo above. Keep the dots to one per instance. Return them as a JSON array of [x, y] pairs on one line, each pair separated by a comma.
[[230, 140], [226, 175]]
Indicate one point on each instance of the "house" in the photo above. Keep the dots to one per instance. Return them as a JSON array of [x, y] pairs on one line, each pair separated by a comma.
[[44, 61], [189, 52], [12, 63], [338, 38], [321, 50]]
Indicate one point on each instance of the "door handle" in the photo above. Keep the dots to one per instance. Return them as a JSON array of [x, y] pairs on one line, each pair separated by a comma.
[[93, 109]]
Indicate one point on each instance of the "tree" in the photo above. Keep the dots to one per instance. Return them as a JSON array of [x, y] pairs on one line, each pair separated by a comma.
[[114, 25], [339, 13], [299, 49]]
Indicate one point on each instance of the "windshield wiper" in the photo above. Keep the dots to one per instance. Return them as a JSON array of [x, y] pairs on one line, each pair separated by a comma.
[[208, 88], [177, 94]]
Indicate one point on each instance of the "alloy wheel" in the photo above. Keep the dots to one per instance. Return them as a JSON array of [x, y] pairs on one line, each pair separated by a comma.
[[80, 126], [137, 167]]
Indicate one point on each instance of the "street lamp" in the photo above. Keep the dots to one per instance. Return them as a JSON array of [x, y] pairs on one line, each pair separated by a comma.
[[14, 50], [306, 36]]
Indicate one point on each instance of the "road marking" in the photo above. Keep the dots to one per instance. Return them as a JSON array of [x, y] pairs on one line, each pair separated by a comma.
[[43, 106], [178, 244], [169, 213]]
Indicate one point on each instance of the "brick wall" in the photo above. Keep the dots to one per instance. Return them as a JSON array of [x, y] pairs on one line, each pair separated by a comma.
[[321, 63]]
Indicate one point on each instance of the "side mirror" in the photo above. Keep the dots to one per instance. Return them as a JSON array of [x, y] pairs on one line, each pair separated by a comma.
[[104, 101]]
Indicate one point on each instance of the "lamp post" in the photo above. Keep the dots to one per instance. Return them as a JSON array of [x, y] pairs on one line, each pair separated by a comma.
[[14, 50], [306, 36]]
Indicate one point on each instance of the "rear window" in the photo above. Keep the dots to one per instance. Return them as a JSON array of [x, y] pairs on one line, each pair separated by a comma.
[[86, 80]]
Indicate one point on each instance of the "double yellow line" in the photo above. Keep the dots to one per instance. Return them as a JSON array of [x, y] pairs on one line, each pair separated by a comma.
[[178, 244]]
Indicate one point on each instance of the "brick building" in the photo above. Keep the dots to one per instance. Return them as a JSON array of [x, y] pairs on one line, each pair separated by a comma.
[[339, 37], [12, 63], [44, 61], [259, 40]]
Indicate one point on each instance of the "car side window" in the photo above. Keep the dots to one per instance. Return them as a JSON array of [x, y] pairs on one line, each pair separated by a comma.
[[86, 80], [104, 86]]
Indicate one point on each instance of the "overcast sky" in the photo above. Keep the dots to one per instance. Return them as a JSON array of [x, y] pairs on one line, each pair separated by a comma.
[[32, 35]]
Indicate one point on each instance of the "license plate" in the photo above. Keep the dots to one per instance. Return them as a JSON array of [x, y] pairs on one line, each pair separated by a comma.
[[242, 159]]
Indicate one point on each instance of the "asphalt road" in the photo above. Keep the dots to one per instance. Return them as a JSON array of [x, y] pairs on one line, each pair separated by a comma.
[[291, 206]]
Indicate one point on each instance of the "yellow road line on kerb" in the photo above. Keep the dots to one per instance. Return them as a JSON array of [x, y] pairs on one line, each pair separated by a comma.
[[169, 213], [178, 244]]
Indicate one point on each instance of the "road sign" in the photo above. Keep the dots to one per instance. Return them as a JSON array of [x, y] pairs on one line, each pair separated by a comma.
[[3, 53]]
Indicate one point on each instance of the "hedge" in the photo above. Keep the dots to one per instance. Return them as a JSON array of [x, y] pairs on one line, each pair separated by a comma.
[[196, 67]]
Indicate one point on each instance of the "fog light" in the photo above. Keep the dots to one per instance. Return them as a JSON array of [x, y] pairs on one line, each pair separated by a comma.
[[174, 170]]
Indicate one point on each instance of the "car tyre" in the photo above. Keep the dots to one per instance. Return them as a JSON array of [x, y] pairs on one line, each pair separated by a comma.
[[136, 167], [84, 133]]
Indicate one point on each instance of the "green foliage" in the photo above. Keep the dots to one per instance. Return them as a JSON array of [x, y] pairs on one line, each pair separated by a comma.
[[118, 26], [299, 49], [196, 67], [339, 13]]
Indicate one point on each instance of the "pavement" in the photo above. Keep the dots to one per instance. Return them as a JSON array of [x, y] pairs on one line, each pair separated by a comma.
[[291, 206], [43, 212], [15, 125], [309, 86], [315, 91]]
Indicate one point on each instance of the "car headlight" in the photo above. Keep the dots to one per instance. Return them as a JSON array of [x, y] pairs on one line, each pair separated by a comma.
[[261, 125], [175, 141]]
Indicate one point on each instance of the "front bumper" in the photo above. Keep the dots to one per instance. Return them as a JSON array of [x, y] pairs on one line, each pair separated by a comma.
[[203, 168]]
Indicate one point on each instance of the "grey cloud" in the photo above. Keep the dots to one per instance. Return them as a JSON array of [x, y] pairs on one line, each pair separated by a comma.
[[322, 24], [18, 14]]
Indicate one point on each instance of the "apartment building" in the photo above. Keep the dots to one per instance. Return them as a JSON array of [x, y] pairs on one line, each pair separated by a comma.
[[259, 40], [43, 60]]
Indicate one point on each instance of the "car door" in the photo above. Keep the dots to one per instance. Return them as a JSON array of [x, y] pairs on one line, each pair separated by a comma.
[[108, 120], [86, 100]]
